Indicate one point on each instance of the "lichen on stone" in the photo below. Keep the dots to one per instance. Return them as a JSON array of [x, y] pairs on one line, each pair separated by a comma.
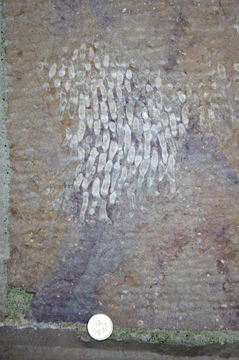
[[17, 303]]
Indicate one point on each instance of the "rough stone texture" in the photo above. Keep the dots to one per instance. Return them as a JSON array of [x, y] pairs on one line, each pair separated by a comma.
[[166, 259], [4, 171], [42, 343]]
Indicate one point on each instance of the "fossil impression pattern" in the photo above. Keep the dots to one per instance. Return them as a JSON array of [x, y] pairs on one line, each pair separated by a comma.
[[128, 126]]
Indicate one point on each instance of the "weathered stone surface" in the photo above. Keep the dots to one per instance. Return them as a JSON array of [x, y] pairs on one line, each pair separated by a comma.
[[40, 342], [159, 248], [4, 171]]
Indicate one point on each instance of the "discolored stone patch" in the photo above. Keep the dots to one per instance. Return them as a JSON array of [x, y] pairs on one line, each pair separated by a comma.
[[123, 131]]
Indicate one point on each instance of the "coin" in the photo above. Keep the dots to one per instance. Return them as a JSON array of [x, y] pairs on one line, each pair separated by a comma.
[[100, 327]]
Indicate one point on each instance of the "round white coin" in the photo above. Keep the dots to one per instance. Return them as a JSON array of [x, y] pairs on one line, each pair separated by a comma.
[[100, 327]]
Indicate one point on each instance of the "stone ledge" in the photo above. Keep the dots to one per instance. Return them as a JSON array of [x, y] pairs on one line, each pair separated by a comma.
[[223, 344]]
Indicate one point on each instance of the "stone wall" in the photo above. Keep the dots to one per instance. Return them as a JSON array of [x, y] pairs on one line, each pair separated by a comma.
[[123, 133]]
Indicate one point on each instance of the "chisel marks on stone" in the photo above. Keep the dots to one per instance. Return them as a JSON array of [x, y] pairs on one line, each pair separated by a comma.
[[125, 125]]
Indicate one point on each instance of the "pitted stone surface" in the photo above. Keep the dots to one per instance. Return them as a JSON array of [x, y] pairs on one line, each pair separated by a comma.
[[4, 171], [124, 144]]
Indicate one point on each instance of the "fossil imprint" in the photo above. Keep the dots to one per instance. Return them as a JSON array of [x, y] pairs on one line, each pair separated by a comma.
[[129, 126]]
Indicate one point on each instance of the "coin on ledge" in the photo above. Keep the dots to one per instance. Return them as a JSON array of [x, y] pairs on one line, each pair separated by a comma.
[[100, 327]]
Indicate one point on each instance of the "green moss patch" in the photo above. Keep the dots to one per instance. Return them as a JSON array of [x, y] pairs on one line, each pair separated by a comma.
[[18, 302], [174, 337]]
